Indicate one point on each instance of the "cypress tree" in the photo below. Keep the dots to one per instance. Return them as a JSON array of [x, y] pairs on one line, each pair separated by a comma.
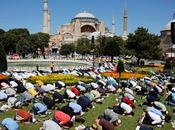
[[120, 69]]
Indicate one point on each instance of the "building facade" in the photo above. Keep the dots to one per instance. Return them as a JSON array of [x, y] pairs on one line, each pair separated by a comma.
[[165, 36], [83, 25]]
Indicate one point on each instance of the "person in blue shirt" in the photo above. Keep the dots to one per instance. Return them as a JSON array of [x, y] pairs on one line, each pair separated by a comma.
[[3, 96], [171, 99], [156, 111], [112, 81], [10, 124], [39, 108], [77, 109]]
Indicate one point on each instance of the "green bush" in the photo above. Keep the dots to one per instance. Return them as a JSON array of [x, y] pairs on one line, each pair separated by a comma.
[[66, 78]]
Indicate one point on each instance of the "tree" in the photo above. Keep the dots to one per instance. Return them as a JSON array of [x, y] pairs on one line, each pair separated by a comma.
[[11, 38], [3, 60], [8, 41], [83, 46], [1, 31], [43, 42], [23, 47], [39, 41], [101, 41], [20, 32], [1, 34], [144, 44], [67, 49], [34, 40], [111, 48]]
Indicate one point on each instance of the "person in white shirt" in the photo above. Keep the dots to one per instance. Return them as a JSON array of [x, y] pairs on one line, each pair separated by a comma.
[[10, 92], [69, 94], [130, 96], [156, 118], [127, 109], [94, 85], [50, 125], [111, 88], [13, 84], [13, 102], [128, 90], [48, 87], [29, 85], [151, 118]]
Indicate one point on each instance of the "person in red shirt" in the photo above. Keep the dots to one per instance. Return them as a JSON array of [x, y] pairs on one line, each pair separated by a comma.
[[62, 119], [128, 101], [23, 116], [75, 90]]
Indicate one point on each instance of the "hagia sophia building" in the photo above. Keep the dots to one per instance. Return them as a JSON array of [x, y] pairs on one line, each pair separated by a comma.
[[83, 25], [86, 25], [166, 42]]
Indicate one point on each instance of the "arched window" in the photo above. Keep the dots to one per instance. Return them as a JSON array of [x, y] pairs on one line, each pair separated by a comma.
[[87, 28]]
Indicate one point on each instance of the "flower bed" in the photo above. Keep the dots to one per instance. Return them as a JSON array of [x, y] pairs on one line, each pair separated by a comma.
[[67, 79], [125, 75], [3, 76]]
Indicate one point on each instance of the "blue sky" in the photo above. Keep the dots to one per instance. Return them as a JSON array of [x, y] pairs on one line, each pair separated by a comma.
[[152, 14]]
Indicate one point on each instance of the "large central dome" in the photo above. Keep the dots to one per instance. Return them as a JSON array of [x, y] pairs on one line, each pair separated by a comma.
[[85, 15]]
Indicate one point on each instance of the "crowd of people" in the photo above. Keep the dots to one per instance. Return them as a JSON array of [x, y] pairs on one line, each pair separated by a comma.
[[31, 101]]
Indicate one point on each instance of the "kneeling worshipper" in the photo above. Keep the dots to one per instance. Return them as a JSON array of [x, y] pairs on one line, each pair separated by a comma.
[[39, 109], [50, 125], [62, 119], [24, 116], [9, 124]]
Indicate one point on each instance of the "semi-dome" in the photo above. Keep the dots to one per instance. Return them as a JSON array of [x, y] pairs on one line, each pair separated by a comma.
[[85, 15], [168, 25]]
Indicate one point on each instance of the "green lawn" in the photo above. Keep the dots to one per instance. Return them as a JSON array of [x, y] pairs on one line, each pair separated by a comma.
[[128, 123]]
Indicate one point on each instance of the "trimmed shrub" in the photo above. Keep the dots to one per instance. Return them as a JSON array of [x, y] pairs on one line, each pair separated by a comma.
[[66, 78]]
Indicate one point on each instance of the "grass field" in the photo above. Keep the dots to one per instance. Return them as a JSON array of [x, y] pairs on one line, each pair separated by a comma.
[[128, 123]]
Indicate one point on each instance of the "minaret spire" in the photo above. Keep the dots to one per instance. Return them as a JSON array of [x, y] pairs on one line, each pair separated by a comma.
[[113, 25], [45, 20], [49, 22], [125, 23]]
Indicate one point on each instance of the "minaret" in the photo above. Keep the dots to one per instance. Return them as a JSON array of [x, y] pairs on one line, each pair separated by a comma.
[[49, 21], [45, 22], [125, 23], [113, 25]]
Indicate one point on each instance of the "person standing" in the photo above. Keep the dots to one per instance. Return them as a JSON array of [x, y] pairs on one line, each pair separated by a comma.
[[37, 67], [52, 67]]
